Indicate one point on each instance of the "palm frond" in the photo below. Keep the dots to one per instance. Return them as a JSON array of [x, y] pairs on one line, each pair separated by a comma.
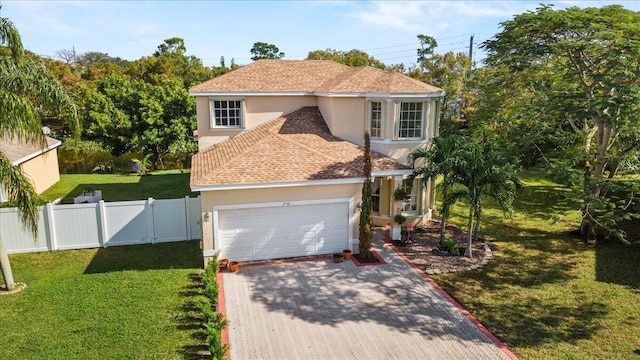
[[20, 192]]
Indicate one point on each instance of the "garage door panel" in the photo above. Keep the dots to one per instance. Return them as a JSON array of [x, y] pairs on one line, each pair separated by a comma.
[[283, 231]]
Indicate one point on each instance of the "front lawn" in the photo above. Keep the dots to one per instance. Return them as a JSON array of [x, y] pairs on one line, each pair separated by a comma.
[[129, 302], [169, 184], [546, 294]]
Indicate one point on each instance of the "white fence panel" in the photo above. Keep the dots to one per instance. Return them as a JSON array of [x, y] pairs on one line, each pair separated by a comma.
[[76, 226], [194, 218], [128, 223], [16, 238], [170, 220]]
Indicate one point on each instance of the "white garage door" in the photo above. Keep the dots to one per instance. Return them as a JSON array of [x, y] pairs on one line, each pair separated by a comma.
[[282, 231]]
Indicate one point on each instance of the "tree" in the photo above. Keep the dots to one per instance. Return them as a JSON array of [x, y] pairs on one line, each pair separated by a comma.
[[350, 58], [591, 90], [25, 87], [262, 50], [483, 172], [366, 214], [427, 47], [440, 159]]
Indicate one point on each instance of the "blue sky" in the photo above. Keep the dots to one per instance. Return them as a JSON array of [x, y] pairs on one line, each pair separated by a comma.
[[386, 30]]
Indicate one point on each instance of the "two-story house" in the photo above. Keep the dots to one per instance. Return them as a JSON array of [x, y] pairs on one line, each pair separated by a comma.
[[280, 166]]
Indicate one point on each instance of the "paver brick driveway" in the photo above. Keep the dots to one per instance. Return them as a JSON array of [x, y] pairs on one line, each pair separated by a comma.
[[321, 310]]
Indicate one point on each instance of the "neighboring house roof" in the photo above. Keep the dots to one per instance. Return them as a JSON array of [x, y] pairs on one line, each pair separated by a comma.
[[320, 77], [296, 147], [19, 152]]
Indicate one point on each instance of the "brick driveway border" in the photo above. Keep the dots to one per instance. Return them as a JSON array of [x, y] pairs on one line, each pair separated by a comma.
[[322, 310]]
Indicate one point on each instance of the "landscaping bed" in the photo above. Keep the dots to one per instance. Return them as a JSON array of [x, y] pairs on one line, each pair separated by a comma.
[[422, 248]]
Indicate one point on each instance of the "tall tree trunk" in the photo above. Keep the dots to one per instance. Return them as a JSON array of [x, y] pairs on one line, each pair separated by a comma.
[[469, 232], [443, 219], [476, 227], [7, 274]]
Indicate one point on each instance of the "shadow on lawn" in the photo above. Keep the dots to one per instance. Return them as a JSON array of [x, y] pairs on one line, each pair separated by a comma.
[[175, 255], [190, 319], [618, 264]]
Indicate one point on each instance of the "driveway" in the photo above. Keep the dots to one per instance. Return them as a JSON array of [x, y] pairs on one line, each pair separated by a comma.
[[321, 310]]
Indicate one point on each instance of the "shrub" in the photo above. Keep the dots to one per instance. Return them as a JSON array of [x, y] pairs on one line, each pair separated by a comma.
[[449, 244]]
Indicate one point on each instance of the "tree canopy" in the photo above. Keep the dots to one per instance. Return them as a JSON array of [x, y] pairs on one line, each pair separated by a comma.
[[262, 50], [579, 69]]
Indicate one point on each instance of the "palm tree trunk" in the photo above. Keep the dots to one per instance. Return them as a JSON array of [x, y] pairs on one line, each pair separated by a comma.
[[443, 219], [476, 227], [469, 232], [6, 267]]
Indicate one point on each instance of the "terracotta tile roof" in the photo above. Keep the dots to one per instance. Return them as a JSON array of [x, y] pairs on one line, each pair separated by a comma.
[[19, 151], [319, 76], [295, 147]]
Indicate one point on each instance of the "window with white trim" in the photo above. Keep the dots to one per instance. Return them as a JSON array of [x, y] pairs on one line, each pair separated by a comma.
[[226, 113], [375, 196], [410, 203], [375, 119], [410, 120]]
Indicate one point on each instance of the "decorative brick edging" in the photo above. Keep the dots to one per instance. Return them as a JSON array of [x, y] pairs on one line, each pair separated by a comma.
[[375, 254], [464, 311]]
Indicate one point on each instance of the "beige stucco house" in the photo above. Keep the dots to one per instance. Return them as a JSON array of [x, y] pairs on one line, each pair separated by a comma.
[[280, 166], [39, 162]]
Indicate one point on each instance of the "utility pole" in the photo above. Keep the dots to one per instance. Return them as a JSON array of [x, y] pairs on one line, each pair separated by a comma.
[[471, 48], [470, 55]]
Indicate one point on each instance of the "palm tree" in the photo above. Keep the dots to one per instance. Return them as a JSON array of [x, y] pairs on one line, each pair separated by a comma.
[[26, 87], [484, 173], [440, 159]]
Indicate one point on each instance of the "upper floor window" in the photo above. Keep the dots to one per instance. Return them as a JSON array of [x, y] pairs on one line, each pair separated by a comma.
[[410, 120], [226, 113], [375, 119]]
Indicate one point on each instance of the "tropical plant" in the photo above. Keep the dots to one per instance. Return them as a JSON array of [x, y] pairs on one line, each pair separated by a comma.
[[26, 88], [483, 172], [366, 214], [144, 165], [439, 159]]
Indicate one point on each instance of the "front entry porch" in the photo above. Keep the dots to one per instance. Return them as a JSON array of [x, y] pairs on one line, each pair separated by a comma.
[[416, 203]]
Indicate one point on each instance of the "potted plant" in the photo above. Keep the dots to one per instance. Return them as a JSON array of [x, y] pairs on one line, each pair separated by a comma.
[[223, 263], [346, 253], [233, 266], [400, 194], [338, 257]]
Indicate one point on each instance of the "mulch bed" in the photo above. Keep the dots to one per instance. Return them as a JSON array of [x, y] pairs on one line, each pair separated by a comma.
[[422, 248]]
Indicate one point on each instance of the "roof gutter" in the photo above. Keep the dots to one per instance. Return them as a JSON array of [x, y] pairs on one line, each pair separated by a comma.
[[321, 94], [36, 153]]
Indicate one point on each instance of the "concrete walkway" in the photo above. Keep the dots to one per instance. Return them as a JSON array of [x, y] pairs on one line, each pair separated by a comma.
[[321, 310]]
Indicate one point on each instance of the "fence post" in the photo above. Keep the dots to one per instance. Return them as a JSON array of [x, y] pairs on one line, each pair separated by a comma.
[[102, 215], [187, 210], [51, 229], [151, 219]]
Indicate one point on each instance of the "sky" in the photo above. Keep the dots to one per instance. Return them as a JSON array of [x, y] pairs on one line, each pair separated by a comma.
[[386, 30]]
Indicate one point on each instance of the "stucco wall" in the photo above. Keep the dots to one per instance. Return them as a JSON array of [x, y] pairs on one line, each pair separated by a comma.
[[43, 170], [257, 110], [209, 199]]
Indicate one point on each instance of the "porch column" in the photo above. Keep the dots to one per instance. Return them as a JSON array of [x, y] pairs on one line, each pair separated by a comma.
[[396, 182]]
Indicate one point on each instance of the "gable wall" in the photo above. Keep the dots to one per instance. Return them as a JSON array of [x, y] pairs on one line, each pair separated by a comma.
[[42, 170]]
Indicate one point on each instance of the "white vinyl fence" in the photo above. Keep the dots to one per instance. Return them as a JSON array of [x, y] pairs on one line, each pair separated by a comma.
[[78, 226]]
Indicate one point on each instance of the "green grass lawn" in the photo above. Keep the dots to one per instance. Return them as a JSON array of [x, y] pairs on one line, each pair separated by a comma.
[[546, 294], [168, 184], [129, 302]]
